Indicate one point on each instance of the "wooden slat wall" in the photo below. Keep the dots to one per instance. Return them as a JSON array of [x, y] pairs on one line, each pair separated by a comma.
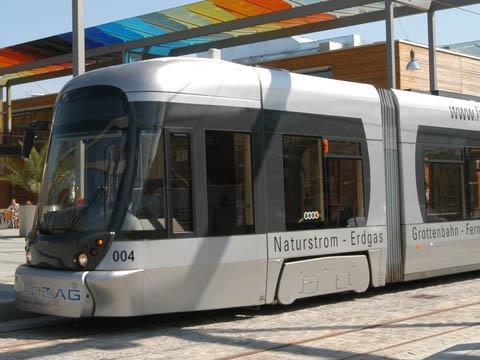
[[7, 191], [456, 73], [365, 64]]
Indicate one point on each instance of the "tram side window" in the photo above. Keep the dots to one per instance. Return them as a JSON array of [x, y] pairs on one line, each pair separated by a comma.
[[229, 183], [473, 168], [303, 179], [181, 180], [346, 206], [147, 213], [444, 184]]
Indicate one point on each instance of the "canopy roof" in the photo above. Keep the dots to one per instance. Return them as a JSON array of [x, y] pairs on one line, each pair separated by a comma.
[[187, 29]]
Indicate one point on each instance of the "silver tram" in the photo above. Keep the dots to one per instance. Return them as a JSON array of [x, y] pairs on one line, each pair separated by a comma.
[[182, 184]]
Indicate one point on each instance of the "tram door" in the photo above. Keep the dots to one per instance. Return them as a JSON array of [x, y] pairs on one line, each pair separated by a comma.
[[214, 256]]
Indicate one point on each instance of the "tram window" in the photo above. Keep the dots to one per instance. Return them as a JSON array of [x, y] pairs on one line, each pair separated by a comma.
[[146, 217], [343, 148], [344, 179], [444, 185], [303, 178], [229, 183], [446, 154], [473, 166], [181, 180]]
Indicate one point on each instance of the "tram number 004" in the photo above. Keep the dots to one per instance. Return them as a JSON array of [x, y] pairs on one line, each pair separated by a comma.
[[123, 256]]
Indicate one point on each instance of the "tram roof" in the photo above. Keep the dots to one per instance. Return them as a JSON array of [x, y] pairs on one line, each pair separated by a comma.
[[192, 28]]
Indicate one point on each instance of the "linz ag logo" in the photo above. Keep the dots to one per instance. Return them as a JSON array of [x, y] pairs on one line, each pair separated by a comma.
[[45, 292]]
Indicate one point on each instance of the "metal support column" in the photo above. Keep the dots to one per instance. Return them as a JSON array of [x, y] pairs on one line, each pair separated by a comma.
[[2, 122], [432, 53], [390, 44], [79, 169], [78, 33], [125, 56], [9, 108]]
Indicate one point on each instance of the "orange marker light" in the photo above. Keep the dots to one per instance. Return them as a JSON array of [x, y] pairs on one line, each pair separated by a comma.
[[325, 146], [99, 243], [418, 245]]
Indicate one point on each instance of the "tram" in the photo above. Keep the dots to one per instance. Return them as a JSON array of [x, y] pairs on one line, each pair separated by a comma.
[[182, 184]]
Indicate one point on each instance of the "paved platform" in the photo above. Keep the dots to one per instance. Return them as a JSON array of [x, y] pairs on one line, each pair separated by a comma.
[[12, 254]]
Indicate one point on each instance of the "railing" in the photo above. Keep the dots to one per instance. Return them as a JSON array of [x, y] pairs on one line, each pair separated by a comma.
[[10, 141], [12, 138], [15, 137]]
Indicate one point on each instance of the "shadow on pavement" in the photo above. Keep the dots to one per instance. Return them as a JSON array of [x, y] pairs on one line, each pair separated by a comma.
[[460, 351]]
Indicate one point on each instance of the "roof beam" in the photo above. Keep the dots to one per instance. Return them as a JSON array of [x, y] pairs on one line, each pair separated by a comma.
[[448, 4], [300, 11]]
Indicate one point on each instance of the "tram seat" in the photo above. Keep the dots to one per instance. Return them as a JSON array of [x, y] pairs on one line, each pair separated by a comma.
[[131, 223], [357, 222]]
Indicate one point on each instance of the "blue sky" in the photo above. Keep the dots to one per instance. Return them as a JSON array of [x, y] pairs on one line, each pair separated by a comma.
[[50, 17]]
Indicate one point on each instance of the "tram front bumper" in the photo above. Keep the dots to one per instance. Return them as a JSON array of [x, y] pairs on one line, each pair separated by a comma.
[[53, 292], [79, 293]]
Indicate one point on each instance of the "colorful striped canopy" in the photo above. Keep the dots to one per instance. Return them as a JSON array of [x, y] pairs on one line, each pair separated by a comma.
[[195, 15]]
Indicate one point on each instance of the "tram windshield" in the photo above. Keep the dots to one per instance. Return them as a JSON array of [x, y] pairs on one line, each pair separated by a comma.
[[86, 161]]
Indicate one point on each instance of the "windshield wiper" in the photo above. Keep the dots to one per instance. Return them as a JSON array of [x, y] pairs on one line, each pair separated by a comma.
[[83, 211]]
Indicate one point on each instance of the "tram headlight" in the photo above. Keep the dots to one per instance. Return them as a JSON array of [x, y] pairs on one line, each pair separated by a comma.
[[28, 256], [83, 259]]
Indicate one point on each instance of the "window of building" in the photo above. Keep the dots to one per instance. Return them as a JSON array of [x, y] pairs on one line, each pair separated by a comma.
[[473, 168], [303, 177], [344, 180], [181, 183], [444, 184], [320, 71], [229, 183]]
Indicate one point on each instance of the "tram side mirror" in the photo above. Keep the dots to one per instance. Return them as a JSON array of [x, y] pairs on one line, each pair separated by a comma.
[[36, 128], [28, 139]]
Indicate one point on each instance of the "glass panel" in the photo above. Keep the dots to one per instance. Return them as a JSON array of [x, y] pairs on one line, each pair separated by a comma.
[[345, 193], [304, 201], [444, 192], [181, 180], [343, 148], [146, 217], [86, 161], [82, 182], [443, 154], [473, 163], [229, 183], [96, 108]]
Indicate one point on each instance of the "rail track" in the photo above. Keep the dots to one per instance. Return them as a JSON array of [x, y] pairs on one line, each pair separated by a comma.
[[373, 326]]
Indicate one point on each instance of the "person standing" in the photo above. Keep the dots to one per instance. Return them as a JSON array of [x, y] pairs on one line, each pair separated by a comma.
[[14, 207]]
